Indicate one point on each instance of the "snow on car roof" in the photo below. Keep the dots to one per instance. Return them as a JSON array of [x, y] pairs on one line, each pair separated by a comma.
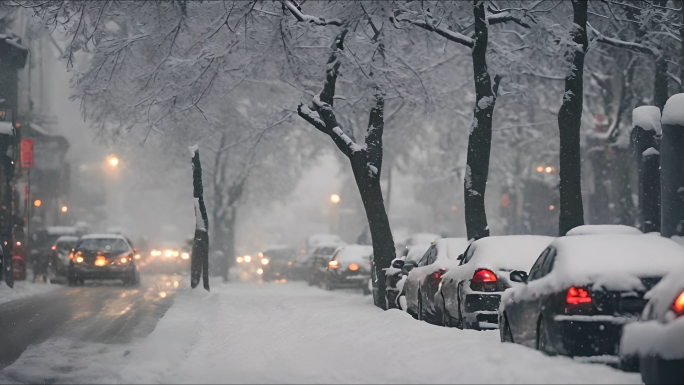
[[615, 261], [55, 230], [604, 229], [67, 238], [354, 253], [421, 238], [416, 252], [319, 239], [509, 252], [451, 247], [106, 236]]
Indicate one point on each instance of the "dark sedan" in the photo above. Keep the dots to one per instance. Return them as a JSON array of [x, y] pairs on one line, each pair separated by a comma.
[[103, 256], [275, 262], [396, 274], [582, 290]]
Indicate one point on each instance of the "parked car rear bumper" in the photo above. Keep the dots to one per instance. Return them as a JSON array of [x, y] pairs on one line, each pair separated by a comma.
[[579, 335], [480, 310]]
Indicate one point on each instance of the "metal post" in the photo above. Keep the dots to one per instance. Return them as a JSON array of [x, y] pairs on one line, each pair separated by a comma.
[[650, 179]]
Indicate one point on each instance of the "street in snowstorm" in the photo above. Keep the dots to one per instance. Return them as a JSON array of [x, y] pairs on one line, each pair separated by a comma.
[[485, 191], [288, 333]]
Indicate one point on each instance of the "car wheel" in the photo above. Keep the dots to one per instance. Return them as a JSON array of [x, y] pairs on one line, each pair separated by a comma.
[[505, 331]]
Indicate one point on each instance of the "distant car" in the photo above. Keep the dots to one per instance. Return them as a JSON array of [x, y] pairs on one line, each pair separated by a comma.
[[41, 244], [302, 264], [275, 262], [423, 282], [349, 267], [59, 257], [318, 263], [582, 290], [470, 293], [604, 229], [396, 274], [658, 339], [169, 258], [103, 256]]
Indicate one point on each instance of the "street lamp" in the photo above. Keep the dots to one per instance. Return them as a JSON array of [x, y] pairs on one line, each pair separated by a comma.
[[113, 161], [64, 209], [37, 202], [335, 199]]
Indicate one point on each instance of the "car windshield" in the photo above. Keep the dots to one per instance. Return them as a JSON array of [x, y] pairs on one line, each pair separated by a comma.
[[111, 245], [65, 245]]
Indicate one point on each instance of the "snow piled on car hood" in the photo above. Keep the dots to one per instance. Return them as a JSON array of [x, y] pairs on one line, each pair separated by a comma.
[[354, 253]]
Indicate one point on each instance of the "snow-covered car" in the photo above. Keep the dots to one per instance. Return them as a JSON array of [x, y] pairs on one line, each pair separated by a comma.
[[582, 290], [59, 257], [604, 229], [318, 263], [470, 294], [102, 256], [302, 264], [275, 262], [349, 267], [397, 272], [422, 283], [658, 339]]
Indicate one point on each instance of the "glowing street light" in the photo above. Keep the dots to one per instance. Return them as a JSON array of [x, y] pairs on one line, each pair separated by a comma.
[[335, 199], [540, 169], [548, 169], [37, 202], [64, 209], [113, 161]]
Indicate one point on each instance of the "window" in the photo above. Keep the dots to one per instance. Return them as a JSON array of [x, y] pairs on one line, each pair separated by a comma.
[[424, 259], [536, 270], [548, 262], [468, 254], [433, 255]]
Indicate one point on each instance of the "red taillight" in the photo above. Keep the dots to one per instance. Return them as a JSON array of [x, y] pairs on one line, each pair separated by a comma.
[[435, 277], [678, 305], [484, 275], [576, 296]]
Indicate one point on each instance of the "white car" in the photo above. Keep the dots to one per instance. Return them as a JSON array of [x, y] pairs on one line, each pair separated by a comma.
[[423, 281], [604, 229], [658, 339], [470, 293]]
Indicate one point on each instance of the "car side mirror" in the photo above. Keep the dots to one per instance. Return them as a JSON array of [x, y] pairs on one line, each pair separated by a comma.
[[398, 264], [519, 276], [408, 267]]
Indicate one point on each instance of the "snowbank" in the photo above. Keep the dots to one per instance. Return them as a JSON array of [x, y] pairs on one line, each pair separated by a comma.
[[604, 229], [653, 337], [23, 289], [673, 113], [292, 333], [647, 117]]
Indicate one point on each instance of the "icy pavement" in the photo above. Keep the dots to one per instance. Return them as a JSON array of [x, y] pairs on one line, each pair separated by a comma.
[[24, 289], [249, 333]]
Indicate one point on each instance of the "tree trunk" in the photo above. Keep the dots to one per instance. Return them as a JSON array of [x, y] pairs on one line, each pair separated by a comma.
[[480, 139], [199, 263], [569, 121], [660, 91]]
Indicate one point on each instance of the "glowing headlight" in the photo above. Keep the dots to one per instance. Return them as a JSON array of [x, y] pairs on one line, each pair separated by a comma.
[[247, 259], [155, 253], [260, 255], [185, 255], [79, 259], [238, 259], [124, 260], [333, 264], [264, 261], [168, 253], [137, 256], [175, 253], [100, 261], [353, 267], [260, 271]]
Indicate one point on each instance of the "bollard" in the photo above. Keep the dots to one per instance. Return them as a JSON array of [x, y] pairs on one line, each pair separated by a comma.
[[645, 128], [650, 179], [672, 167]]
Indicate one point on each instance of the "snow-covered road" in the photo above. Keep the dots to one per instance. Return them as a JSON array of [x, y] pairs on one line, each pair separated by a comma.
[[250, 333]]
